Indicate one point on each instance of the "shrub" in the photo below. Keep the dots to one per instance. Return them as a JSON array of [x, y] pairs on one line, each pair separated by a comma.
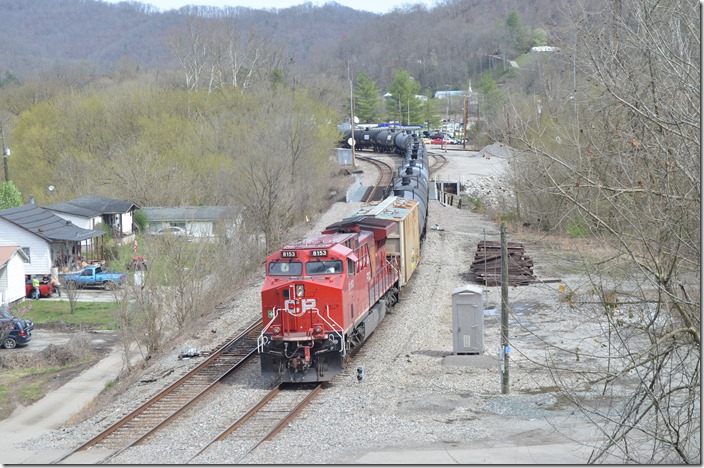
[[140, 219], [577, 228]]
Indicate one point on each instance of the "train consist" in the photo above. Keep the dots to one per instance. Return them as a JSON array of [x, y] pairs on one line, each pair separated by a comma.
[[324, 295], [380, 139]]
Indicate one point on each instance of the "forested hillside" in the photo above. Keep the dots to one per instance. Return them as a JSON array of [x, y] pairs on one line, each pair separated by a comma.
[[88, 86], [443, 45]]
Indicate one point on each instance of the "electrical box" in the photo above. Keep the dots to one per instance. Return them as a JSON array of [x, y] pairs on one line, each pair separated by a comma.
[[468, 320]]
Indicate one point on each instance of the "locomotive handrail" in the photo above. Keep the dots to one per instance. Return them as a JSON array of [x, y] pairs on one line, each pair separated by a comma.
[[261, 339], [341, 333], [394, 265]]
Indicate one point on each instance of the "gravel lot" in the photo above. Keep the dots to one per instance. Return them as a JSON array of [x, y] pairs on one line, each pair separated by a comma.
[[416, 394]]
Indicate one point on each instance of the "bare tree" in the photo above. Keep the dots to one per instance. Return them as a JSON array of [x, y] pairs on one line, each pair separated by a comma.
[[73, 292], [215, 53], [619, 160], [280, 179]]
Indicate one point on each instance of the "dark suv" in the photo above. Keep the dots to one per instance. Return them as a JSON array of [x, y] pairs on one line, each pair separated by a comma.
[[20, 330]]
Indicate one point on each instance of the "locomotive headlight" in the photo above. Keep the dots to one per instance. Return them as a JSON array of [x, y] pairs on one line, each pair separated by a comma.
[[318, 330], [300, 290], [276, 331]]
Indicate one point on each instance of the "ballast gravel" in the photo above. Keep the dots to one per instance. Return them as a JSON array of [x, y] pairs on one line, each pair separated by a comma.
[[416, 393]]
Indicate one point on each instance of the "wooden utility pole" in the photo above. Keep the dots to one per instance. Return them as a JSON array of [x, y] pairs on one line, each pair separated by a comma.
[[353, 143], [505, 348], [5, 154], [465, 116]]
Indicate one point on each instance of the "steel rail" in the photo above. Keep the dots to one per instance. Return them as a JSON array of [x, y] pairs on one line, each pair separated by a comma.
[[260, 407], [440, 162], [217, 362], [386, 173]]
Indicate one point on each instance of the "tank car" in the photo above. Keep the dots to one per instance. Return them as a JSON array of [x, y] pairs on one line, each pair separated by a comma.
[[380, 139], [413, 187]]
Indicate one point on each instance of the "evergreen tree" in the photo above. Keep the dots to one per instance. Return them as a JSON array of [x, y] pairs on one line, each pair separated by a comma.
[[430, 115], [493, 97], [9, 196], [367, 100], [519, 36], [403, 105]]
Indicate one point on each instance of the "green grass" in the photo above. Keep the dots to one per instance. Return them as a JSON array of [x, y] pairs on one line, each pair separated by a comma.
[[87, 313], [523, 60], [32, 392], [25, 386], [13, 382]]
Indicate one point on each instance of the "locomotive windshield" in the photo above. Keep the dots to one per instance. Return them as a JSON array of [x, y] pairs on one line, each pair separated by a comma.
[[324, 267], [285, 268]]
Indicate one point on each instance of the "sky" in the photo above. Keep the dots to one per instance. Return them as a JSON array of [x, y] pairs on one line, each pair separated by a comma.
[[375, 6]]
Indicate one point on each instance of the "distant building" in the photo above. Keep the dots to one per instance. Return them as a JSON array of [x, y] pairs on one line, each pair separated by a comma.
[[544, 49], [198, 221], [89, 211], [47, 239], [444, 94], [12, 262]]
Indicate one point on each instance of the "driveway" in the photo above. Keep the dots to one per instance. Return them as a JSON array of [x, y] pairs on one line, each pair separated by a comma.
[[86, 295]]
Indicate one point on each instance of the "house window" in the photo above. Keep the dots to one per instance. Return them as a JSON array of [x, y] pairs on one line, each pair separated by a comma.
[[26, 251]]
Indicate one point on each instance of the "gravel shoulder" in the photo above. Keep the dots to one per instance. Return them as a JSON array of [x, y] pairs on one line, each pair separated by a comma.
[[418, 403]]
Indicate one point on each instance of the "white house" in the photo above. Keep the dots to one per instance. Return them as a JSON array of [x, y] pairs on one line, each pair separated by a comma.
[[89, 211], [198, 221], [544, 49], [46, 239], [12, 263]]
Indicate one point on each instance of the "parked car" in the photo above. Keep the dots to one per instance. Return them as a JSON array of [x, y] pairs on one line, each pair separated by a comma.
[[20, 331], [440, 141], [172, 231], [46, 289], [95, 275]]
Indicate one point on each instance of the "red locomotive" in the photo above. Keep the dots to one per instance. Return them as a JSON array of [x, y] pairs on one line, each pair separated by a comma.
[[324, 295]]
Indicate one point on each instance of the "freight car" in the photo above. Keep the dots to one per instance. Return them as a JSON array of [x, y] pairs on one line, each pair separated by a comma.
[[381, 139], [323, 296]]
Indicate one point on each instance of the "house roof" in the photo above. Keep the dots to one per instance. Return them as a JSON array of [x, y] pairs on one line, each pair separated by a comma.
[[91, 206], [45, 224], [189, 213], [8, 251]]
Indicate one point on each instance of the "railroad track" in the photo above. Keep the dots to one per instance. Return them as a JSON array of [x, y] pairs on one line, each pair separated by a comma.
[[269, 416], [168, 404], [386, 174], [265, 419], [440, 162]]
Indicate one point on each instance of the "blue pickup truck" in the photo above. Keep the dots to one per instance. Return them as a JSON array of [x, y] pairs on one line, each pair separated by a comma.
[[95, 275]]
